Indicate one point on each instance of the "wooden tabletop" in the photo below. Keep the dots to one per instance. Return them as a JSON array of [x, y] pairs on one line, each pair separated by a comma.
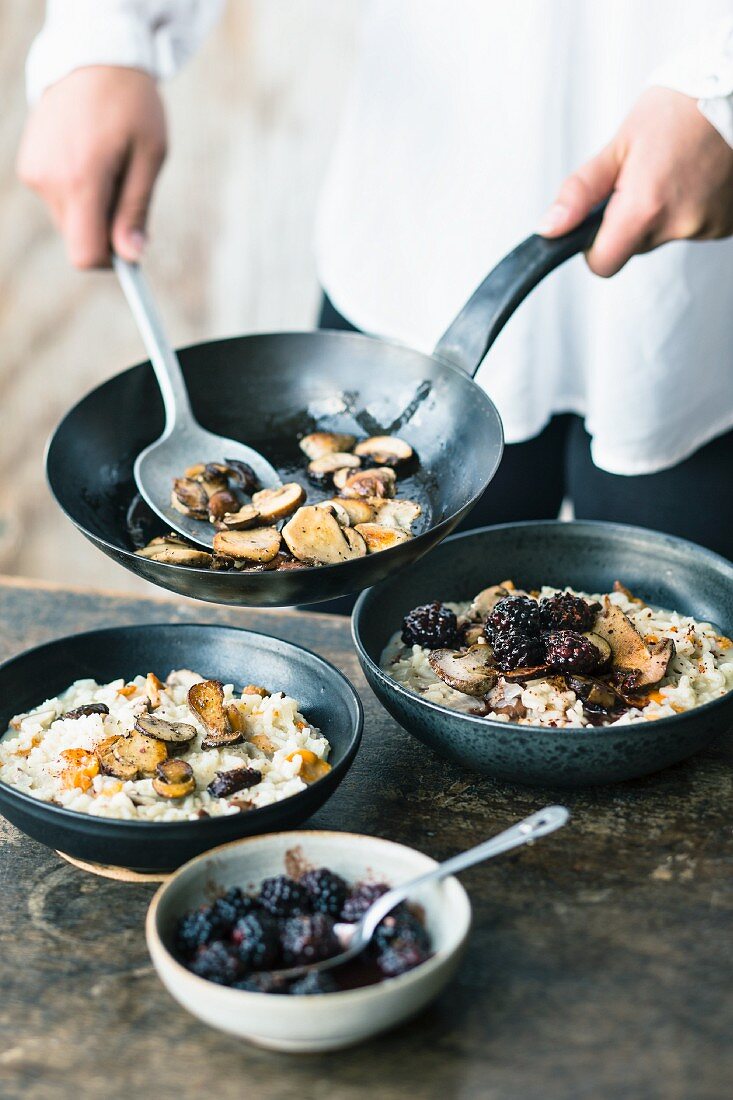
[[600, 963]]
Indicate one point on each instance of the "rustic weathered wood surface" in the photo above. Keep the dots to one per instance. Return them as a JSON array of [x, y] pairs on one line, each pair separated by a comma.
[[599, 966]]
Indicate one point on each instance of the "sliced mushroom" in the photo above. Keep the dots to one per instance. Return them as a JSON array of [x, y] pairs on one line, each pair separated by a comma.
[[141, 752], [247, 516], [337, 510], [174, 779], [318, 444], [88, 708], [313, 535], [161, 730], [529, 672], [358, 511], [629, 650], [400, 514], [215, 477], [243, 476], [206, 700], [321, 469], [385, 450], [109, 763], [593, 691], [379, 482], [258, 545], [256, 689], [471, 633], [236, 779], [222, 502], [378, 537], [601, 644], [153, 688], [275, 504], [196, 471], [472, 672], [170, 551], [485, 602], [189, 497]]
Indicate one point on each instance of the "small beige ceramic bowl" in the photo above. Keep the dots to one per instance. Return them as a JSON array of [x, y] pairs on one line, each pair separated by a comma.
[[308, 1023]]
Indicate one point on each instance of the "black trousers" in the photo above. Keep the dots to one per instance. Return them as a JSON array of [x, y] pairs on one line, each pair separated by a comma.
[[693, 499]]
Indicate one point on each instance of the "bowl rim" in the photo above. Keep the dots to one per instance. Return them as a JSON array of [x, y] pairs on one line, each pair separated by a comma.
[[207, 823], [346, 336], [367, 992], [563, 732]]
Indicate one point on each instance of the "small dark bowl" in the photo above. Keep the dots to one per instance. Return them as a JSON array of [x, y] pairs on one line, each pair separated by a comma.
[[664, 571], [234, 656]]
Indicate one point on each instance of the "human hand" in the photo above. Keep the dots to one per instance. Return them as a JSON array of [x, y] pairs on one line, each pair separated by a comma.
[[671, 174], [92, 149]]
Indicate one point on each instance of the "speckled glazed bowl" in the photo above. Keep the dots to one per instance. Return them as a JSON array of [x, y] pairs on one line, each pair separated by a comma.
[[666, 572]]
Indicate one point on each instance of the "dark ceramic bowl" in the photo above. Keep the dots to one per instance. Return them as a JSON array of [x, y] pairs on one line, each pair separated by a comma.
[[234, 656], [664, 571]]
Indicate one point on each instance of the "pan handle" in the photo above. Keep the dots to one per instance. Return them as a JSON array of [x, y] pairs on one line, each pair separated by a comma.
[[467, 340]]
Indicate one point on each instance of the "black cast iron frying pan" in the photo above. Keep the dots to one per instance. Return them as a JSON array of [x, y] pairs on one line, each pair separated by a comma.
[[268, 390]]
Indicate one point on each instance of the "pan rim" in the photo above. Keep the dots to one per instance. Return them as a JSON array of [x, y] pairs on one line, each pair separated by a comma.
[[211, 823], [323, 570]]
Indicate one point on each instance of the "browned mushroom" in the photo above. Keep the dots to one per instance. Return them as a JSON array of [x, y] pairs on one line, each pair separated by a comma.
[[358, 511], [378, 537], [384, 450], [400, 514], [161, 730], [108, 762], [321, 469], [529, 672], [222, 502], [190, 498], [173, 551], [379, 482], [236, 779], [595, 692], [337, 510], [472, 672], [256, 689], [275, 504], [258, 545], [141, 752], [87, 709], [206, 700], [197, 470], [641, 665], [485, 602], [247, 516], [314, 535], [174, 779], [601, 645], [322, 443], [243, 476]]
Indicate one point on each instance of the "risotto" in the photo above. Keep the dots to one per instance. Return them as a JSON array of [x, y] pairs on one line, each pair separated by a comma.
[[142, 750], [499, 631]]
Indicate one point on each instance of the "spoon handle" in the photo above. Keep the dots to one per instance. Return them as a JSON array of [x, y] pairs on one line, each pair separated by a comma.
[[162, 356], [531, 828]]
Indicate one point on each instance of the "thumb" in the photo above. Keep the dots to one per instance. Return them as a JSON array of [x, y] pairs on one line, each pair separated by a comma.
[[133, 201], [580, 192]]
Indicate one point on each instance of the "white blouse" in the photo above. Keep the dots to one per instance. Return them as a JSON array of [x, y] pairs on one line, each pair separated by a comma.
[[463, 119]]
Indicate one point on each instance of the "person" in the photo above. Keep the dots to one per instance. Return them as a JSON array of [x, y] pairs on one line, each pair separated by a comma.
[[616, 394]]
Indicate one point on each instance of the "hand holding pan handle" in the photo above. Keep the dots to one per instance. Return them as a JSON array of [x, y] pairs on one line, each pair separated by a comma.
[[484, 315]]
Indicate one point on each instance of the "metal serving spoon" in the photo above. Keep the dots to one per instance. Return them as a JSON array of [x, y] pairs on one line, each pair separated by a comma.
[[183, 442], [354, 938]]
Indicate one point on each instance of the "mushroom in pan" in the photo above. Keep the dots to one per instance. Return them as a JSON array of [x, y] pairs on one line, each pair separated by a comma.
[[400, 514], [109, 763], [206, 700], [601, 645], [641, 666], [487, 599], [243, 476], [379, 482], [358, 511], [337, 510], [313, 535], [378, 537], [222, 502], [245, 517], [88, 708], [275, 504], [472, 672], [529, 672], [322, 443], [161, 730], [258, 545], [324, 467], [595, 692], [236, 779], [190, 498], [170, 550], [174, 779], [384, 450]]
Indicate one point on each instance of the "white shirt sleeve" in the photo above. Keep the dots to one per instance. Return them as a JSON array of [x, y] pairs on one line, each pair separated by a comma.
[[158, 36], [705, 72]]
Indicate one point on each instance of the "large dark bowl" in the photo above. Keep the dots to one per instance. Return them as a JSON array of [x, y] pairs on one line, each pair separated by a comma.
[[666, 572], [234, 656]]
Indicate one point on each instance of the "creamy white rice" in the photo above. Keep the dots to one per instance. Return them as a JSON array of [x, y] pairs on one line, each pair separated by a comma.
[[276, 733], [701, 670]]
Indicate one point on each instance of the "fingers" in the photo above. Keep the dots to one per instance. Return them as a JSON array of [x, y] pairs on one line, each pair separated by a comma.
[[133, 201], [631, 224], [84, 224], [580, 193]]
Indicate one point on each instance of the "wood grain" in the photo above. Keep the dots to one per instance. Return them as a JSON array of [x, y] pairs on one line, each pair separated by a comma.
[[599, 965]]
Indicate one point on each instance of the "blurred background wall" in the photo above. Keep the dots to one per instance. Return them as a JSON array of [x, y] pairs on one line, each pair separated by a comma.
[[251, 122]]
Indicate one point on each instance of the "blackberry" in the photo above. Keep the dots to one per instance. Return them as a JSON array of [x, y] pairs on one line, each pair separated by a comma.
[[567, 612], [314, 983], [359, 900], [194, 930], [401, 926], [568, 651], [262, 983], [256, 938], [514, 650], [399, 957], [283, 896], [308, 938], [226, 910], [432, 625], [216, 962], [520, 614], [326, 890]]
